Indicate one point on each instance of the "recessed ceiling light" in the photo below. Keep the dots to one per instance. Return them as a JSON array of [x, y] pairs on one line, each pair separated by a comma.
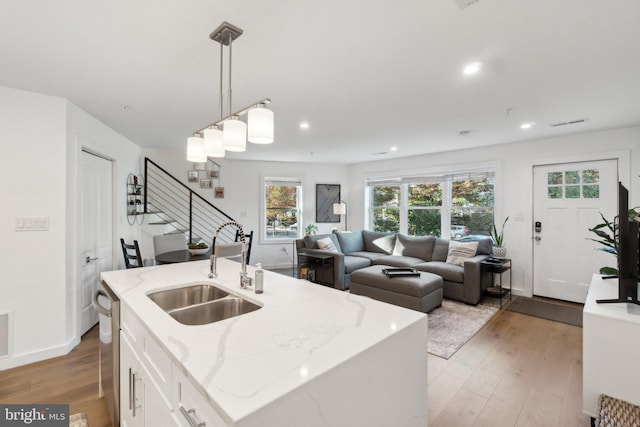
[[527, 125], [472, 68], [304, 125], [394, 148]]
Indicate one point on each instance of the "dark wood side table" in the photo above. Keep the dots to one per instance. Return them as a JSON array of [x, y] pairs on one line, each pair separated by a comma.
[[319, 264], [497, 267]]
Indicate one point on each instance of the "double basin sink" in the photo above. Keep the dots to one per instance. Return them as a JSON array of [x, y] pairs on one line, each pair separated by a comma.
[[201, 304]]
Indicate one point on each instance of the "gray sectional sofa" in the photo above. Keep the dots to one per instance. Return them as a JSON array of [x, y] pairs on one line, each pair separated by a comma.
[[359, 249]]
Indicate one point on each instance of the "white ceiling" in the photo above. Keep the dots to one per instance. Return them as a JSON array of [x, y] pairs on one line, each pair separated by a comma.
[[366, 75]]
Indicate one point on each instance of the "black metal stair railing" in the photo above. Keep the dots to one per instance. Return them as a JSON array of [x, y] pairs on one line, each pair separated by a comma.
[[180, 209]]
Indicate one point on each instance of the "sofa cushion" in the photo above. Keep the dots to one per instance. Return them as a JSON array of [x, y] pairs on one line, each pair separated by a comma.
[[484, 244], [448, 272], [378, 241], [368, 255], [327, 244], [440, 250], [459, 252], [397, 261], [353, 263], [414, 246], [350, 241], [311, 241]]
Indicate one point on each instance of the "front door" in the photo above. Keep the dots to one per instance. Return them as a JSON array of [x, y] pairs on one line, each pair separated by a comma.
[[568, 199], [96, 201]]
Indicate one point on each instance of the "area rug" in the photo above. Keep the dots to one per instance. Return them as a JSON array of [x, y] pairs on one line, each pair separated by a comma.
[[548, 309], [453, 324]]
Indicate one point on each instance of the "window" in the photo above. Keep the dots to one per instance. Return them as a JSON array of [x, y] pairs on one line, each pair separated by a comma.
[[574, 184], [282, 202], [455, 205]]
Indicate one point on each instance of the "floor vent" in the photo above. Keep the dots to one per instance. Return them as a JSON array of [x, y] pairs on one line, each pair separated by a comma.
[[572, 122], [4, 334]]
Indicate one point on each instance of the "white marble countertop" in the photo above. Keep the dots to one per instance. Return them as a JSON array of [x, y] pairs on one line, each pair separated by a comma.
[[243, 363]]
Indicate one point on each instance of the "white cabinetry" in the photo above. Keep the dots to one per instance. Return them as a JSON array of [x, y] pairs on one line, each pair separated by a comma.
[[154, 392], [610, 347]]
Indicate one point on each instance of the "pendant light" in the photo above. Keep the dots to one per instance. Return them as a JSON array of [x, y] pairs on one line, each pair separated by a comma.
[[230, 131], [213, 145]]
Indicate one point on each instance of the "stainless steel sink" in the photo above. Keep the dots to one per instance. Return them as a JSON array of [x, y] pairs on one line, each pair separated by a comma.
[[172, 299], [213, 311], [201, 304]]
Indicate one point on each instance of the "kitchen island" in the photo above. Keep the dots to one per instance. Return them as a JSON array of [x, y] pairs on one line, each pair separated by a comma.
[[310, 356]]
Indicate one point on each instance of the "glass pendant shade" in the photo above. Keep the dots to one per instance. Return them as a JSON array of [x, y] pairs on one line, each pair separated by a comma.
[[260, 125], [213, 146], [195, 150], [234, 136]]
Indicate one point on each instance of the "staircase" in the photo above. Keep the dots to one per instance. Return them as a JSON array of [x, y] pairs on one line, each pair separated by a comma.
[[178, 209]]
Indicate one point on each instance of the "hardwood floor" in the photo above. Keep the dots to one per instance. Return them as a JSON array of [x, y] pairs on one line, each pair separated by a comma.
[[518, 370], [70, 379]]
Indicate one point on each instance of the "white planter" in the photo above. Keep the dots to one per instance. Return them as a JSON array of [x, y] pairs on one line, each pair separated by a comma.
[[499, 252]]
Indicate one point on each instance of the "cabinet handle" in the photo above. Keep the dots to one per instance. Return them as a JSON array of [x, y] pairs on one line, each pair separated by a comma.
[[130, 390], [190, 415], [133, 396]]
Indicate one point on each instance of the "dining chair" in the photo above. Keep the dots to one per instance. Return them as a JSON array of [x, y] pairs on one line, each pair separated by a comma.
[[131, 253], [164, 243]]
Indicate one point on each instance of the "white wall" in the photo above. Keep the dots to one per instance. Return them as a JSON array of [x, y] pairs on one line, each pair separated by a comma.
[[242, 182], [38, 166], [514, 181]]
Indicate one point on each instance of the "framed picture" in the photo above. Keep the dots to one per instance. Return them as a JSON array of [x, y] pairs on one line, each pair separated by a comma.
[[214, 174], [192, 176], [326, 196], [200, 166], [219, 192], [205, 183]]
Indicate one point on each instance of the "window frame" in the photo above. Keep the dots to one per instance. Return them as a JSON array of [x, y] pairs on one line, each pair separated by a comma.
[[444, 178], [269, 180]]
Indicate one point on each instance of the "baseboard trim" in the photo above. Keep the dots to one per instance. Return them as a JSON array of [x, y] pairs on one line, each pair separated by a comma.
[[39, 355]]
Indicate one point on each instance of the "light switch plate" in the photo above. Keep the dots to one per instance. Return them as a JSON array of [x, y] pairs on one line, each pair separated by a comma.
[[32, 223]]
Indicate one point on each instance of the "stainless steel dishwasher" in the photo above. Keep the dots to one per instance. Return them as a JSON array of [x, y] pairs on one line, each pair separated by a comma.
[[108, 306]]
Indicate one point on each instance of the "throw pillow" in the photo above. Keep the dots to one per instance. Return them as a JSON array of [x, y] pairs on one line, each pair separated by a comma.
[[459, 252], [326, 244], [414, 246]]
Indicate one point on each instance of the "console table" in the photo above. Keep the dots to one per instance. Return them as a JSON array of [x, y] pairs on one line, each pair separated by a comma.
[[610, 347]]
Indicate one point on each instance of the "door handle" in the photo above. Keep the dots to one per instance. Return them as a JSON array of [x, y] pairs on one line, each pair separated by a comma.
[[89, 259], [538, 238]]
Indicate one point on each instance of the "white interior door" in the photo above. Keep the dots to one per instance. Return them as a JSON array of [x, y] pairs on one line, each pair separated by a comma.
[[568, 199], [96, 200]]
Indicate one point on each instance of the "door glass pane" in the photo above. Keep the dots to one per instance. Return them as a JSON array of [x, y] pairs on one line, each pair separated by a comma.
[[591, 191], [554, 178], [572, 192], [554, 192], [590, 176], [572, 177]]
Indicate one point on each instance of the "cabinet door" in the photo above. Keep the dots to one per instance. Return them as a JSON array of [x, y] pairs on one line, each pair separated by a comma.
[[131, 386]]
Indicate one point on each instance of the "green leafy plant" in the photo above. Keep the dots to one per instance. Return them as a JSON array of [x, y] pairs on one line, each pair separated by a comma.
[[311, 229], [498, 238], [606, 232]]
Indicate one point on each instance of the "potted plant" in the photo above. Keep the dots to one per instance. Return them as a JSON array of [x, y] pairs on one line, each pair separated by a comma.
[[606, 232], [310, 229], [499, 251]]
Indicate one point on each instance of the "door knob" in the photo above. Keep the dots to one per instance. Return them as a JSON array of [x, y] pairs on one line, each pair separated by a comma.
[[538, 238], [89, 259]]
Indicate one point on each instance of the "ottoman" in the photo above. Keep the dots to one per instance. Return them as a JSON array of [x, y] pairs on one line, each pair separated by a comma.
[[422, 293]]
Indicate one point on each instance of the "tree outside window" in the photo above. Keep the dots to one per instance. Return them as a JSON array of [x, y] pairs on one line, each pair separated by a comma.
[[282, 208]]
